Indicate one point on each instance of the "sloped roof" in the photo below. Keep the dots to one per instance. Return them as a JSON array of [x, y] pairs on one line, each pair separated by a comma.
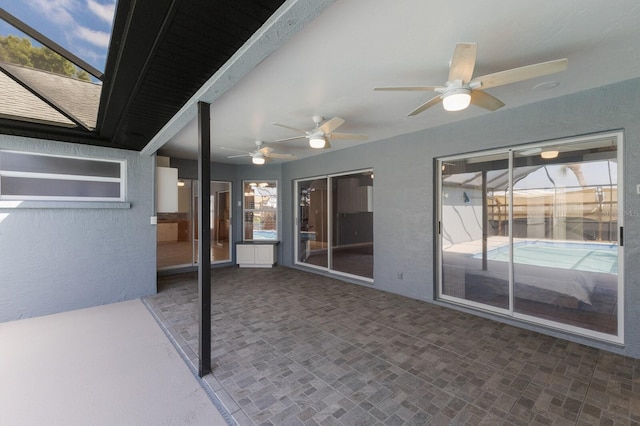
[[78, 98], [18, 103]]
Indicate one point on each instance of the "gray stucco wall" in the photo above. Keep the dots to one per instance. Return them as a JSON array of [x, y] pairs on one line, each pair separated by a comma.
[[404, 185], [59, 257]]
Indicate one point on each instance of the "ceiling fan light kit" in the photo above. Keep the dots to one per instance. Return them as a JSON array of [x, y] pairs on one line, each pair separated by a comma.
[[258, 159], [456, 99], [317, 142]]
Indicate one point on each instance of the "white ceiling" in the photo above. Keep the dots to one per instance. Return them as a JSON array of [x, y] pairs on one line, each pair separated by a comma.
[[330, 67]]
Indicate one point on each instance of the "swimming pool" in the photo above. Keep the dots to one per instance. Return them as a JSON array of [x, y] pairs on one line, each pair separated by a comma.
[[580, 256], [265, 234]]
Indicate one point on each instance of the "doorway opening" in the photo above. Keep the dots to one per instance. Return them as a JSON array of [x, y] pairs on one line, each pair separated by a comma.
[[177, 240]]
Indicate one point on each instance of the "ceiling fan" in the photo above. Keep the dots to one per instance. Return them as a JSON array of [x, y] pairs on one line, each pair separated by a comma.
[[261, 154], [320, 135], [461, 89]]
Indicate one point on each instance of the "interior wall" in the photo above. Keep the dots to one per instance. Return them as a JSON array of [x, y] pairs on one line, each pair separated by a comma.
[[404, 184], [59, 256]]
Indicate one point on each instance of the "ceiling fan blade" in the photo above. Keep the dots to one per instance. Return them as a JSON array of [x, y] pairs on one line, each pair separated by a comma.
[[485, 100], [409, 88], [431, 102], [283, 156], [265, 150], [289, 127], [463, 62], [331, 125], [347, 136], [290, 139], [233, 149], [239, 155], [523, 73]]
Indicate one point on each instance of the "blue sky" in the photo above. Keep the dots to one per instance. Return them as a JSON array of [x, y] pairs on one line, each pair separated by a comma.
[[82, 26]]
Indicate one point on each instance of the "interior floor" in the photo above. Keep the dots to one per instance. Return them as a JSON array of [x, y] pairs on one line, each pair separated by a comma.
[[356, 260], [292, 347], [601, 315], [180, 253]]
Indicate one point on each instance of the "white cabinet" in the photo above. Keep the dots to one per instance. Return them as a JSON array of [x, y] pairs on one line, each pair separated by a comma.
[[245, 254], [256, 255], [166, 190], [167, 232]]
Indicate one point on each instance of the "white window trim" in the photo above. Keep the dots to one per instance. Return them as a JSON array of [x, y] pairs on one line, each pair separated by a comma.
[[51, 176]]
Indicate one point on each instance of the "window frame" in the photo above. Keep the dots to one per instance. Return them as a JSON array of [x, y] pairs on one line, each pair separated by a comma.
[[122, 181], [246, 210], [329, 178], [510, 313]]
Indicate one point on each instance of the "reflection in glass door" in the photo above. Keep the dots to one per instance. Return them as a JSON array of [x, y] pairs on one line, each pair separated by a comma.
[[313, 238], [533, 233], [565, 249], [175, 231], [177, 236], [352, 224], [475, 207], [335, 223]]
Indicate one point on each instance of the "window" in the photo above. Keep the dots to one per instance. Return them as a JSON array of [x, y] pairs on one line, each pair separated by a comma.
[[260, 210], [28, 176], [335, 223], [532, 232]]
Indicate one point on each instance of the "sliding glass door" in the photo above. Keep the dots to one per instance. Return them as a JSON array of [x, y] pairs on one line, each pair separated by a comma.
[[177, 233], [334, 223], [474, 211], [313, 236], [532, 232]]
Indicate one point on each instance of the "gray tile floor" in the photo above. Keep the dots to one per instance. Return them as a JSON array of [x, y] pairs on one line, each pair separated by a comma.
[[291, 347]]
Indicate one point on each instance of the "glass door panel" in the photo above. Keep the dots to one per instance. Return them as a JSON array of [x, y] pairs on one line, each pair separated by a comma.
[[352, 225], [313, 236], [565, 259], [220, 221], [474, 230], [178, 232], [174, 231]]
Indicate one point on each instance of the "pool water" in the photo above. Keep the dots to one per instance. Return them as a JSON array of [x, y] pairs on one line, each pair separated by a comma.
[[265, 235], [591, 257]]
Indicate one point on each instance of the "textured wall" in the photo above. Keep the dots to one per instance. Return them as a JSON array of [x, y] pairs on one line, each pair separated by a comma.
[[403, 185], [59, 259]]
